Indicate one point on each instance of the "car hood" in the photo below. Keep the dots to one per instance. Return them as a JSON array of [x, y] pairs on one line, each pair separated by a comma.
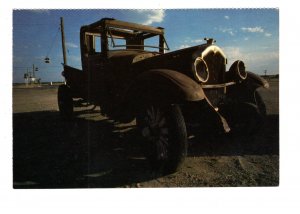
[[183, 61], [127, 57]]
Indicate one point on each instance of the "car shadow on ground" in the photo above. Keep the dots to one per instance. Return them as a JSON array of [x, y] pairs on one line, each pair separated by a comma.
[[50, 153], [263, 142]]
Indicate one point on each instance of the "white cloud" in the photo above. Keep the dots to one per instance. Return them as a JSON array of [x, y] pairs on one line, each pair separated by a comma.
[[188, 42], [268, 34], [197, 40], [226, 17], [71, 45], [253, 29], [40, 11], [184, 46], [254, 61], [74, 58], [233, 53], [152, 16], [236, 53], [227, 30]]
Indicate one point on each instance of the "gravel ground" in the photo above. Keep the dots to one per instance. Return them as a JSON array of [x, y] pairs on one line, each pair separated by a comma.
[[95, 152]]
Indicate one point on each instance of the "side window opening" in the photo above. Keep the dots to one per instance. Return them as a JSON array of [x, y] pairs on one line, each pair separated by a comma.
[[151, 43], [93, 44], [116, 43], [97, 40]]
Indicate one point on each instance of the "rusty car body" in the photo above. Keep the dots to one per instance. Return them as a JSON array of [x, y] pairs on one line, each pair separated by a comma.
[[164, 92]]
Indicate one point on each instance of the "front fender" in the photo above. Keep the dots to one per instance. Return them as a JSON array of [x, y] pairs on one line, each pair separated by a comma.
[[159, 86], [167, 84], [245, 91], [254, 81]]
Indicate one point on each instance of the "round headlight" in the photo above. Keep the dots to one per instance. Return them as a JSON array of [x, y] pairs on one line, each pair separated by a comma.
[[241, 69], [237, 71], [201, 70]]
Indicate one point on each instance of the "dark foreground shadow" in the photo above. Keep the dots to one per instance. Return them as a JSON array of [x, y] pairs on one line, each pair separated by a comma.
[[263, 142], [50, 153]]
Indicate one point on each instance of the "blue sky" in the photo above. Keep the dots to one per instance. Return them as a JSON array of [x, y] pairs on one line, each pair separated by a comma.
[[251, 35]]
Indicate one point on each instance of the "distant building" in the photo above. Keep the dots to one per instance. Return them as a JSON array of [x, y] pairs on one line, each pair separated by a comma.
[[29, 79]]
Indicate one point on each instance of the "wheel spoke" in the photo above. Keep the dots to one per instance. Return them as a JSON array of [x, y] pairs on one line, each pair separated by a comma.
[[157, 116], [161, 149], [165, 139], [162, 122], [146, 132], [152, 113], [164, 131]]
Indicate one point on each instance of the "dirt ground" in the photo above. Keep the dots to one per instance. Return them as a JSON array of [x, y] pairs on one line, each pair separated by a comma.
[[95, 152]]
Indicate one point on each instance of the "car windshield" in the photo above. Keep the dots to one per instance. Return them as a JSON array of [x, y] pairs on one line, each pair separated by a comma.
[[125, 39]]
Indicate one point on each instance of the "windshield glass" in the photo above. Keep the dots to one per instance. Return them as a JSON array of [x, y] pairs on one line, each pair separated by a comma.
[[125, 39]]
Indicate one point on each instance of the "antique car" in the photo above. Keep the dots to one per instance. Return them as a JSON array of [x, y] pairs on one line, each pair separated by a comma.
[[126, 72]]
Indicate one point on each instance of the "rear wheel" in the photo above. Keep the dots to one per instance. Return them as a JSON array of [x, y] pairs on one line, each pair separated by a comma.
[[65, 102], [164, 132]]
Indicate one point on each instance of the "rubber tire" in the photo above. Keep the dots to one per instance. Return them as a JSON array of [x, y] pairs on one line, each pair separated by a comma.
[[247, 119], [260, 104], [176, 146], [65, 102]]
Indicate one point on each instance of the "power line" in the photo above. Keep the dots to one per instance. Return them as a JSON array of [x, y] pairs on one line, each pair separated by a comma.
[[33, 24], [51, 46], [50, 66], [39, 66]]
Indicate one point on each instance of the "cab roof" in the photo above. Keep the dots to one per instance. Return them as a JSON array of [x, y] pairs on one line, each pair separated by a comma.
[[121, 28]]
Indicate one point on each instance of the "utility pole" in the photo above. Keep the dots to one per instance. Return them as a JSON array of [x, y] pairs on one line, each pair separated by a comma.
[[26, 77], [63, 39], [33, 74]]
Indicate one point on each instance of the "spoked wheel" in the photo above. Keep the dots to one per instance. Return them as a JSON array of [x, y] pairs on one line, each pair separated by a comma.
[[65, 102], [163, 131]]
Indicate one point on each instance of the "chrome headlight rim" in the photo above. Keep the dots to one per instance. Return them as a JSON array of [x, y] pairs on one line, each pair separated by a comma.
[[241, 69], [196, 63]]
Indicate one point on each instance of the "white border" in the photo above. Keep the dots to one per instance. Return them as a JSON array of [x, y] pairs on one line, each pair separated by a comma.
[[183, 200]]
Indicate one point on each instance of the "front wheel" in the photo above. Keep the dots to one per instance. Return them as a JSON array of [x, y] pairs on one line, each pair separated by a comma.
[[164, 132], [65, 102], [260, 104]]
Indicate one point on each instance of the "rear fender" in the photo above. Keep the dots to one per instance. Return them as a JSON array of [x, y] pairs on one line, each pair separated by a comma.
[[73, 76]]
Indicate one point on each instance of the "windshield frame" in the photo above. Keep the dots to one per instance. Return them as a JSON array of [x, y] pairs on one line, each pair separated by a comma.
[[143, 35]]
